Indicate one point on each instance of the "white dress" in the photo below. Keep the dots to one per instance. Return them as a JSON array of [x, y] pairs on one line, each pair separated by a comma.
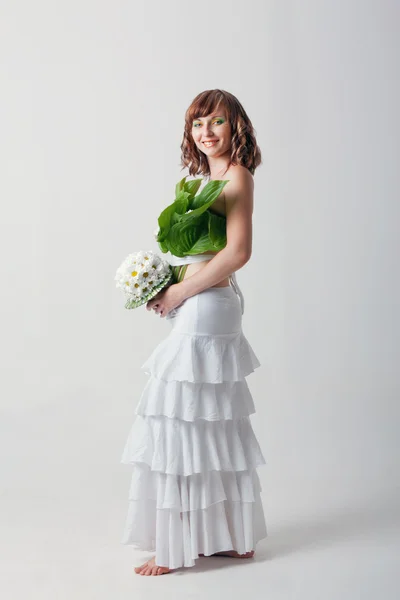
[[195, 487]]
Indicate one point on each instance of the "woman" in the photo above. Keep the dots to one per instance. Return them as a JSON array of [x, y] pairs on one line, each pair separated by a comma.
[[195, 490]]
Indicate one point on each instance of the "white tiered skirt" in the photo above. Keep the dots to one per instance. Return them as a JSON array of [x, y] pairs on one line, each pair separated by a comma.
[[195, 488]]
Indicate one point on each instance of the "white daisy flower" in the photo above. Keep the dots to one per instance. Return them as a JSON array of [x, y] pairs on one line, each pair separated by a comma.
[[141, 276]]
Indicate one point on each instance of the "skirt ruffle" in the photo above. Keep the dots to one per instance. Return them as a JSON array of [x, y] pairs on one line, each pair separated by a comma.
[[178, 539], [202, 358], [193, 492], [194, 487], [190, 401], [182, 448]]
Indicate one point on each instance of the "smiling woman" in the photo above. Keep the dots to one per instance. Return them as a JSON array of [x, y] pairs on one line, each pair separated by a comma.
[[204, 128], [218, 115], [195, 489], [212, 133]]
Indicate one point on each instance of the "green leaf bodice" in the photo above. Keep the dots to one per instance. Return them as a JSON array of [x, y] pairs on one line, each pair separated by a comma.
[[187, 226]]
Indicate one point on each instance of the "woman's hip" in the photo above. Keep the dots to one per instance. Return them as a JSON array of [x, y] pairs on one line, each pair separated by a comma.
[[214, 311]]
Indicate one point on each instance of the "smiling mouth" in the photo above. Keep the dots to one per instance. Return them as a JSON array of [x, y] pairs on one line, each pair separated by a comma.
[[209, 144]]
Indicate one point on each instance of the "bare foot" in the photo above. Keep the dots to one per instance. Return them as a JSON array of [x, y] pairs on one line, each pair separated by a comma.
[[150, 568], [233, 554]]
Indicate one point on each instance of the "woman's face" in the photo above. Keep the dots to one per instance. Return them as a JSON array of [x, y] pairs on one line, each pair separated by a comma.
[[212, 134]]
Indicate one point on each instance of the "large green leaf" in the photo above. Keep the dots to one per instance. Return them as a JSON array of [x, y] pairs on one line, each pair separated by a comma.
[[184, 236], [180, 205], [208, 194], [217, 230], [186, 226], [192, 187], [163, 246], [192, 216], [164, 222], [202, 245], [181, 202], [171, 214], [179, 186], [188, 186]]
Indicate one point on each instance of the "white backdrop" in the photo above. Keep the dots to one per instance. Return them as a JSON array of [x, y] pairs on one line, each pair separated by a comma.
[[93, 97]]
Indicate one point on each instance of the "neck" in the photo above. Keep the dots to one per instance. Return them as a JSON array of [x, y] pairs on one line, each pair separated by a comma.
[[219, 165]]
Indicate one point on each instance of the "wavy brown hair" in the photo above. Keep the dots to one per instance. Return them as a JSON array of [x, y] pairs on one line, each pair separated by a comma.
[[244, 149]]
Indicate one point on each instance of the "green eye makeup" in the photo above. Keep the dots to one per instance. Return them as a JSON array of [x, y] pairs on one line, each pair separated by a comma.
[[215, 121]]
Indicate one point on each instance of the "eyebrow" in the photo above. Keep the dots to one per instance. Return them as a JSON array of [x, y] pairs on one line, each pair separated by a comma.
[[213, 116]]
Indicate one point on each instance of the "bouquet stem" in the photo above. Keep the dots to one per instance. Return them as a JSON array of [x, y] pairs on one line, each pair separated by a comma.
[[178, 273]]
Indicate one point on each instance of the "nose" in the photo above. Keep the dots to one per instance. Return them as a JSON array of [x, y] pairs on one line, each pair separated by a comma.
[[207, 131]]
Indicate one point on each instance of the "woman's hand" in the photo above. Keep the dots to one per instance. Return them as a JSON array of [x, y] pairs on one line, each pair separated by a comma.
[[166, 300]]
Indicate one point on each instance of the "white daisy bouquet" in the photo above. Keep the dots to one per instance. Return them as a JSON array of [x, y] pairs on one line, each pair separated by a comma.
[[141, 276]]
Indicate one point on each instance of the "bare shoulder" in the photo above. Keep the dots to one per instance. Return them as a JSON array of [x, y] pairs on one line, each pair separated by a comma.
[[240, 186], [241, 182], [239, 176]]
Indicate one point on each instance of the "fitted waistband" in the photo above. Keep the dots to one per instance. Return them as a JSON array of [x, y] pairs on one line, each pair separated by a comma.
[[176, 261]]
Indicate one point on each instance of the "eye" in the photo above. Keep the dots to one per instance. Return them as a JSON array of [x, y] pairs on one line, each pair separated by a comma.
[[196, 124], [218, 121]]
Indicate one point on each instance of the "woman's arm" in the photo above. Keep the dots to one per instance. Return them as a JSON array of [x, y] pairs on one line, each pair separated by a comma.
[[239, 211]]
